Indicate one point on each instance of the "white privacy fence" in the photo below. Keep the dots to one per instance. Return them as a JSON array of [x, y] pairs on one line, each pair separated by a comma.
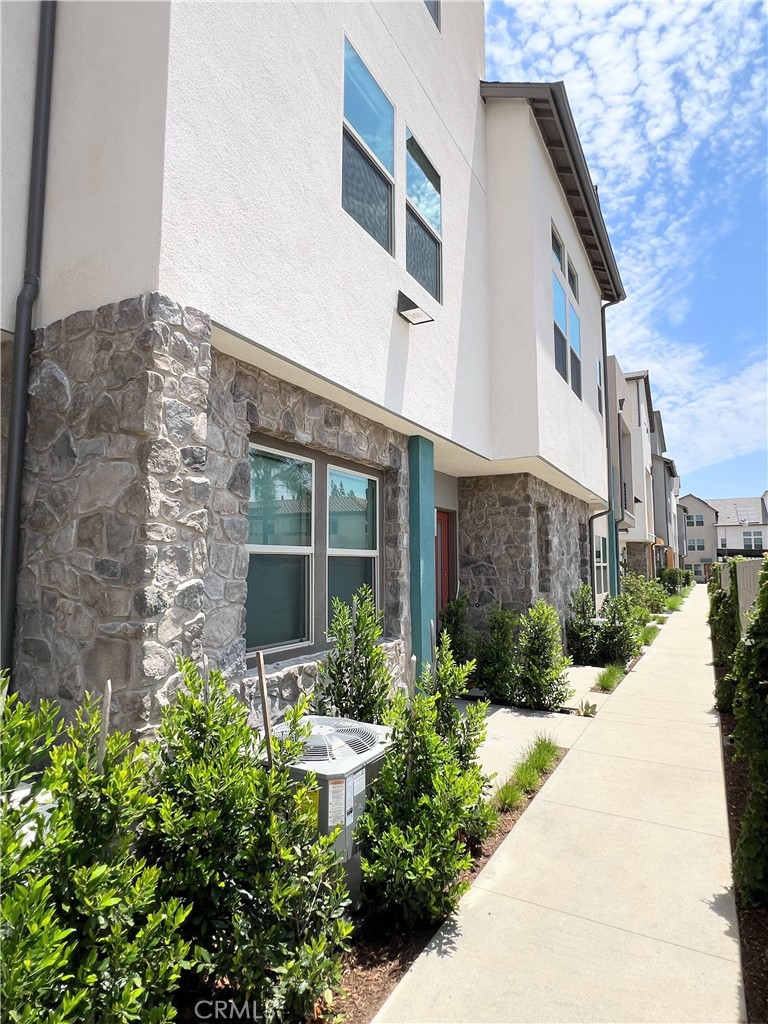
[[747, 578]]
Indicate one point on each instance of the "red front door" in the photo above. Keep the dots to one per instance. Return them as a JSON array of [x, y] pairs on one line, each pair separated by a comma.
[[443, 567]]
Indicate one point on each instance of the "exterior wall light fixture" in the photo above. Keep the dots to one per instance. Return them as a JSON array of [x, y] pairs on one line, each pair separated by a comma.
[[412, 312]]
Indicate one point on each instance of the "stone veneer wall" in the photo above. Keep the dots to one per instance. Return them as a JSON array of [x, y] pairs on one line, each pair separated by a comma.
[[135, 494], [520, 539], [639, 557]]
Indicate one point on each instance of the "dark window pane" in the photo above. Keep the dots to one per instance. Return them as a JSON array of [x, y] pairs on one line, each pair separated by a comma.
[[276, 609], [433, 6], [575, 373], [422, 254], [280, 507], [351, 511], [561, 353], [422, 183], [365, 193], [367, 109], [573, 281], [346, 576], [557, 250]]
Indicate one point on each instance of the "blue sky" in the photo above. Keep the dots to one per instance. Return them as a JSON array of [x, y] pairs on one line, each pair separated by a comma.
[[670, 101]]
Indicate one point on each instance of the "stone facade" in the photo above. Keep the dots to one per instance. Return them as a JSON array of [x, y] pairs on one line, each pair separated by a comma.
[[640, 558], [520, 539], [135, 493]]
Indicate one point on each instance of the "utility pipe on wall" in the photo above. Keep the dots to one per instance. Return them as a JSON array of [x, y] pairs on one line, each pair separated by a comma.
[[22, 346]]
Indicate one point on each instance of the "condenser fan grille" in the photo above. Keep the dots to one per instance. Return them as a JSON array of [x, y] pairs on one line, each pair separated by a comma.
[[332, 739]]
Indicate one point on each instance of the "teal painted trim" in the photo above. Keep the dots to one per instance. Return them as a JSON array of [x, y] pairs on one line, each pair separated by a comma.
[[421, 520], [613, 555]]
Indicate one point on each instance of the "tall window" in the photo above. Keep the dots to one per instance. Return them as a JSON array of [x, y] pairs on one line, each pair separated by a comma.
[[753, 540], [352, 533], [368, 150], [433, 6], [567, 324], [599, 386], [423, 218], [601, 564], [691, 544], [280, 513], [700, 545], [313, 534]]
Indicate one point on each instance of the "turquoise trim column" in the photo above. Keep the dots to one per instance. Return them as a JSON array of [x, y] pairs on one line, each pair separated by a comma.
[[613, 556], [421, 521]]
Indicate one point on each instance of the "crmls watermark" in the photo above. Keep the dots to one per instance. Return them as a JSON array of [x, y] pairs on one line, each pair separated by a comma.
[[225, 1009]]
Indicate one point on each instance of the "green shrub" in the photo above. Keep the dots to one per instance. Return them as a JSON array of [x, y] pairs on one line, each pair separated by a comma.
[[237, 841], [609, 678], [540, 669], [454, 620], [689, 580], [673, 579], [724, 625], [526, 777], [750, 865], [509, 796], [581, 627], [87, 936], [354, 680], [675, 603], [496, 655], [725, 692], [411, 833], [618, 637], [542, 753]]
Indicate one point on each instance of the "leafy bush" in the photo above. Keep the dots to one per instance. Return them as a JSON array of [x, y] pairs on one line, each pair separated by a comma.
[[724, 625], [540, 672], [496, 656], [87, 936], [581, 627], [354, 681], [237, 841], [454, 620], [688, 578], [673, 579], [411, 834], [750, 865], [618, 637], [647, 596]]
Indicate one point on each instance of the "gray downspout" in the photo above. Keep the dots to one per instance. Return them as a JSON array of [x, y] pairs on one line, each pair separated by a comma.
[[22, 347]]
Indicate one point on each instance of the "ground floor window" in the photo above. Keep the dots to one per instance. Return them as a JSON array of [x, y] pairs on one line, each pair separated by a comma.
[[698, 570], [601, 564], [313, 534]]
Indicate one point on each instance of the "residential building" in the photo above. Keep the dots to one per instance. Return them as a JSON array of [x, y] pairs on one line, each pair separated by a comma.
[[641, 538], [701, 536], [666, 491], [299, 329], [624, 506], [742, 526]]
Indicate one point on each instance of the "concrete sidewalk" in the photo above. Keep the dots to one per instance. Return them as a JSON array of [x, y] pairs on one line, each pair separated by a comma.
[[611, 899]]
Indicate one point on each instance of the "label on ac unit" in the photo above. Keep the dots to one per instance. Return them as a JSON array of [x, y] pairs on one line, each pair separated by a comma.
[[358, 782], [336, 802]]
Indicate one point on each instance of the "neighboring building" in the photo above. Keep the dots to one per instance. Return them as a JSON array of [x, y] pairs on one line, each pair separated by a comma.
[[666, 491], [742, 526], [294, 322], [701, 538], [623, 502], [641, 538]]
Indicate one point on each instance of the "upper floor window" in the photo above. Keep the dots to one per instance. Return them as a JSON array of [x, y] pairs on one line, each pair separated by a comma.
[[433, 6], [700, 545], [697, 520], [700, 520], [753, 540], [368, 150], [599, 386], [722, 542], [423, 214], [567, 323], [691, 545]]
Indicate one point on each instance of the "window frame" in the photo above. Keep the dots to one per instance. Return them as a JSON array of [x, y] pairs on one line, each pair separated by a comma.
[[366, 152], [410, 207], [330, 552], [320, 617], [562, 272], [290, 549]]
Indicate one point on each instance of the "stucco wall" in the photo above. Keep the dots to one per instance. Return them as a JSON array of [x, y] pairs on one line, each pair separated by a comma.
[[105, 163], [252, 215]]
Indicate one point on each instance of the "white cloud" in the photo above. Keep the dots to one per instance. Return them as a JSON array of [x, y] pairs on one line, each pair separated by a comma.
[[670, 101]]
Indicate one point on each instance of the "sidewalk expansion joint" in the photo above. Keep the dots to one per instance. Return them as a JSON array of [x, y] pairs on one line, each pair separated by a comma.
[[613, 927], [631, 817], [647, 760]]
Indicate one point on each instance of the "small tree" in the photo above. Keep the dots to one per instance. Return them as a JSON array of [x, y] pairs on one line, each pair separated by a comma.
[[581, 627], [619, 634], [354, 679], [454, 620], [541, 680], [496, 655]]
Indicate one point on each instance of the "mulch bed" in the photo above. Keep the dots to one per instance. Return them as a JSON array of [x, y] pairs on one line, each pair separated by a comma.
[[753, 921], [383, 951]]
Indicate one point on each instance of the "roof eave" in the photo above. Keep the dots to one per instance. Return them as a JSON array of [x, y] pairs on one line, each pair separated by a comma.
[[552, 95]]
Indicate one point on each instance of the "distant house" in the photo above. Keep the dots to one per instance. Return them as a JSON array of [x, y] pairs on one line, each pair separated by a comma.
[[701, 538], [742, 526]]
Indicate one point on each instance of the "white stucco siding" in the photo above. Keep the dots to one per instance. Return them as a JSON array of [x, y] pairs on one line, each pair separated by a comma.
[[515, 413], [639, 419], [571, 429], [253, 227], [101, 237]]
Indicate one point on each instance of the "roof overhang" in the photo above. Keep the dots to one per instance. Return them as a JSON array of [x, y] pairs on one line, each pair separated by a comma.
[[645, 377], [549, 103]]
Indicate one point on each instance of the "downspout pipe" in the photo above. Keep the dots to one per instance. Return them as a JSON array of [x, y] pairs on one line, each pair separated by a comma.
[[22, 347], [592, 570]]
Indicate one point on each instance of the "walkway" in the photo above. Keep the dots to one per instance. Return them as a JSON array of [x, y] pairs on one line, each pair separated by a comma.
[[611, 899]]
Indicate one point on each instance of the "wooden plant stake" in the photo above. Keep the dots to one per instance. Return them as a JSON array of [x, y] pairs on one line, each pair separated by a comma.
[[106, 710], [265, 704]]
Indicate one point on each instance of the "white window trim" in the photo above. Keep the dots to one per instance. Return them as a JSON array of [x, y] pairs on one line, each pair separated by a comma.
[[372, 553], [425, 223], [290, 549], [571, 301]]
